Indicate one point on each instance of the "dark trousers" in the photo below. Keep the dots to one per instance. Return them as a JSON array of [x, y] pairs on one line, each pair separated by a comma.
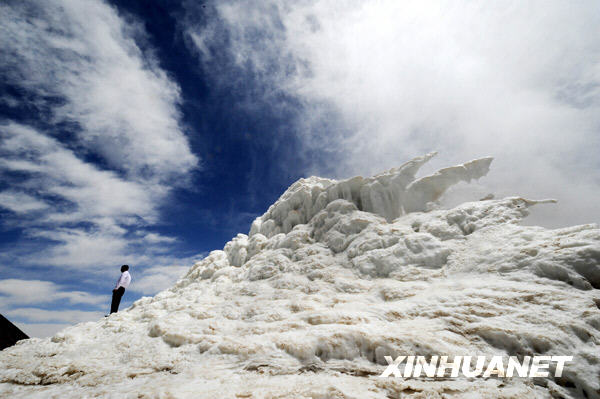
[[116, 299]]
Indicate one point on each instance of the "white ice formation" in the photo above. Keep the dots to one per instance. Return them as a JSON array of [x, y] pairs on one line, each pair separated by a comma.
[[332, 278]]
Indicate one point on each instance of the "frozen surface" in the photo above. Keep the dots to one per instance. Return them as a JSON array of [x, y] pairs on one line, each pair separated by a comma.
[[332, 278]]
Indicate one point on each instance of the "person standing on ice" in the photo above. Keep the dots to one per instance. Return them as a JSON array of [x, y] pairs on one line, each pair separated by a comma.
[[119, 289]]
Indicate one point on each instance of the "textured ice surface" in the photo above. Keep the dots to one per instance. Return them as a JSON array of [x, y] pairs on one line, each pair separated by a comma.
[[332, 278]]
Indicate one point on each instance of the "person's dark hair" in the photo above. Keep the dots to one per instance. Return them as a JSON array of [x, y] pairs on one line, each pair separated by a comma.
[[124, 268]]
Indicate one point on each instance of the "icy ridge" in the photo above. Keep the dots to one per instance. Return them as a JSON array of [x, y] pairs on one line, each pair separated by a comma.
[[335, 276], [389, 194]]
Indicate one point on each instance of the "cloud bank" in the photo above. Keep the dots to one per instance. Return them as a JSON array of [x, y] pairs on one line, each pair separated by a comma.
[[379, 82]]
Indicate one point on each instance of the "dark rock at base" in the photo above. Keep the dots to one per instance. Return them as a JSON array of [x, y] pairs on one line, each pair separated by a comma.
[[9, 333]]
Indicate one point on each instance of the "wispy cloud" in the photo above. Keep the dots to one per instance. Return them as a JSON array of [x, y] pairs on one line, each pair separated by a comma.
[[17, 291], [19, 202], [84, 53], [36, 315], [80, 64], [55, 171], [376, 83]]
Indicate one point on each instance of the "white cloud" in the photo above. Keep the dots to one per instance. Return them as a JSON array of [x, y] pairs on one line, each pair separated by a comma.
[[18, 291], [84, 52], [37, 315], [109, 204], [154, 238], [164, 274], [82, 248], [156, 279], [20, 202], [41, 330], [380, 82], [94, 193]]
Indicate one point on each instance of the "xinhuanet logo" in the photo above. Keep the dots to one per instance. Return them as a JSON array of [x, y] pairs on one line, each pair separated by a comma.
[[499, 366]]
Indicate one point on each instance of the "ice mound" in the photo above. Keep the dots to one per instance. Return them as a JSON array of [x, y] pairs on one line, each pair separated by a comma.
[[388, 194], [332, 278]]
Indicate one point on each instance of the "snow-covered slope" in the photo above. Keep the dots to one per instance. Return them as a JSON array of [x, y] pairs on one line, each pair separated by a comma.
[[332, 278]]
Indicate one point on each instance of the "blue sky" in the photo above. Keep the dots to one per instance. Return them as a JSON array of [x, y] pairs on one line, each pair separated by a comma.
[[150, 133]]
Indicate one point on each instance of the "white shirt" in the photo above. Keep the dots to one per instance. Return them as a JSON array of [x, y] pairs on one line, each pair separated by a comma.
[[124, 280]]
